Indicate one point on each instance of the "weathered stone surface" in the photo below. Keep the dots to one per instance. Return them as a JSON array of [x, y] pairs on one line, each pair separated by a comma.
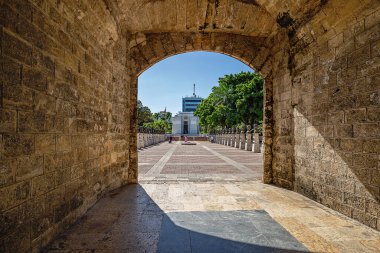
[[18, 144], [7, 121], [14, 195], [29, 167], [45, 143], [69, 72]]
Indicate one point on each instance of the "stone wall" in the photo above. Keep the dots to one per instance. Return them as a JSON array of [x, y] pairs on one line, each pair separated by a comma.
[[327, 116], [63, 135], [69, 71]]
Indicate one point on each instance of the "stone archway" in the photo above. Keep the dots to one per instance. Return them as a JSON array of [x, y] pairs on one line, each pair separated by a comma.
[[68, 89], [147, 49]]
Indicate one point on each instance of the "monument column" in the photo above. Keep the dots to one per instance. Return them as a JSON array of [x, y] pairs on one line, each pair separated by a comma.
[[248, 145], [242, 139], [237, 137], [256, 147], [232, 137]]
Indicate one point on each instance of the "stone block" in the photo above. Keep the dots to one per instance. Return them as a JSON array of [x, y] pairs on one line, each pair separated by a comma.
[[95, 151], [29, 166], [14, 195], [18, 144], [54, 124], [18, 97], [45, 103], [41, 224], [63, 143], [11, 71], [368, 35], [7, 171], [355, 201], [8, 121], [23, 8], [31, 122], [343, 131], [373, 114], [344, 77], [78, 141], [63, 175], [17, 241], [375, 49], [45, 143], [375, 177], [367, 161], [369, 67], [80, 155], [359, 56], [336, 41], [327, 131], [353, 145], [355, 115], [373, 208], [341, 159], [369, 84], [335, 118], [31, 33], [371, 146], [77, 171], [17, 49], [34, 78], [43, 62], [365, 218], [8, 17], [353, 28], [370, 130], [319, 120], [344, 49], [68, 159], [43, 183], [53, 47], [13, 219], [52, 162], [61, 211]]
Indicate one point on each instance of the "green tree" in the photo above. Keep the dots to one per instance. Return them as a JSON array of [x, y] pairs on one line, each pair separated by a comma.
[[160, 125], [238, 99], [144, 115], [163, 115]]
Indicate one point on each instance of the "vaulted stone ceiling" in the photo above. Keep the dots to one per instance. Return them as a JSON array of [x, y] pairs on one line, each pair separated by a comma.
[[258, 18], [245, 17]]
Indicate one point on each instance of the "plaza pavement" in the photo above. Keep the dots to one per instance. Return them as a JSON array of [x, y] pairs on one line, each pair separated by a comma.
[[202, 162], [209, 198]]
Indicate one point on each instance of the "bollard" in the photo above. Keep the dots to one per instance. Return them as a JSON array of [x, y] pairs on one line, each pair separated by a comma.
[[237, 138], [256, 143], [248, 144], [242, 139]]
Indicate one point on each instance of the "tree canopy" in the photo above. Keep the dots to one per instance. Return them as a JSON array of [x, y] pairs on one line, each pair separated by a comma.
[[144, 115], [238, 99], [157, 121]]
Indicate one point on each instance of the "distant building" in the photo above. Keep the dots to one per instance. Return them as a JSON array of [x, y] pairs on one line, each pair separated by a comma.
[[185, 123], [189, 104]]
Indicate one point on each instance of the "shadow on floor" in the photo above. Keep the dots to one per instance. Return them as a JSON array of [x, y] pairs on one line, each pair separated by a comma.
[[128, 220]]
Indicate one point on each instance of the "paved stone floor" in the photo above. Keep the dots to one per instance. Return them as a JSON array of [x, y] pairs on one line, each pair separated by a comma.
[[202, 162], [174, 209]]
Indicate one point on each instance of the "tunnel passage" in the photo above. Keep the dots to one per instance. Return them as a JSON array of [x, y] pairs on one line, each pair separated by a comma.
[[69, 87]]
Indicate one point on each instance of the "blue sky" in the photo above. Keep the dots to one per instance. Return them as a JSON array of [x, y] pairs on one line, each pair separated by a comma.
[[166, 82]]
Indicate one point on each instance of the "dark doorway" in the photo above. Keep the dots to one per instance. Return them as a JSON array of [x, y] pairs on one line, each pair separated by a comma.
[[185, 127]]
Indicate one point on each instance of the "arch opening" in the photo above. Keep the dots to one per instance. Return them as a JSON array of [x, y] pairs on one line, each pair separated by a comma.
[[147, 169]]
